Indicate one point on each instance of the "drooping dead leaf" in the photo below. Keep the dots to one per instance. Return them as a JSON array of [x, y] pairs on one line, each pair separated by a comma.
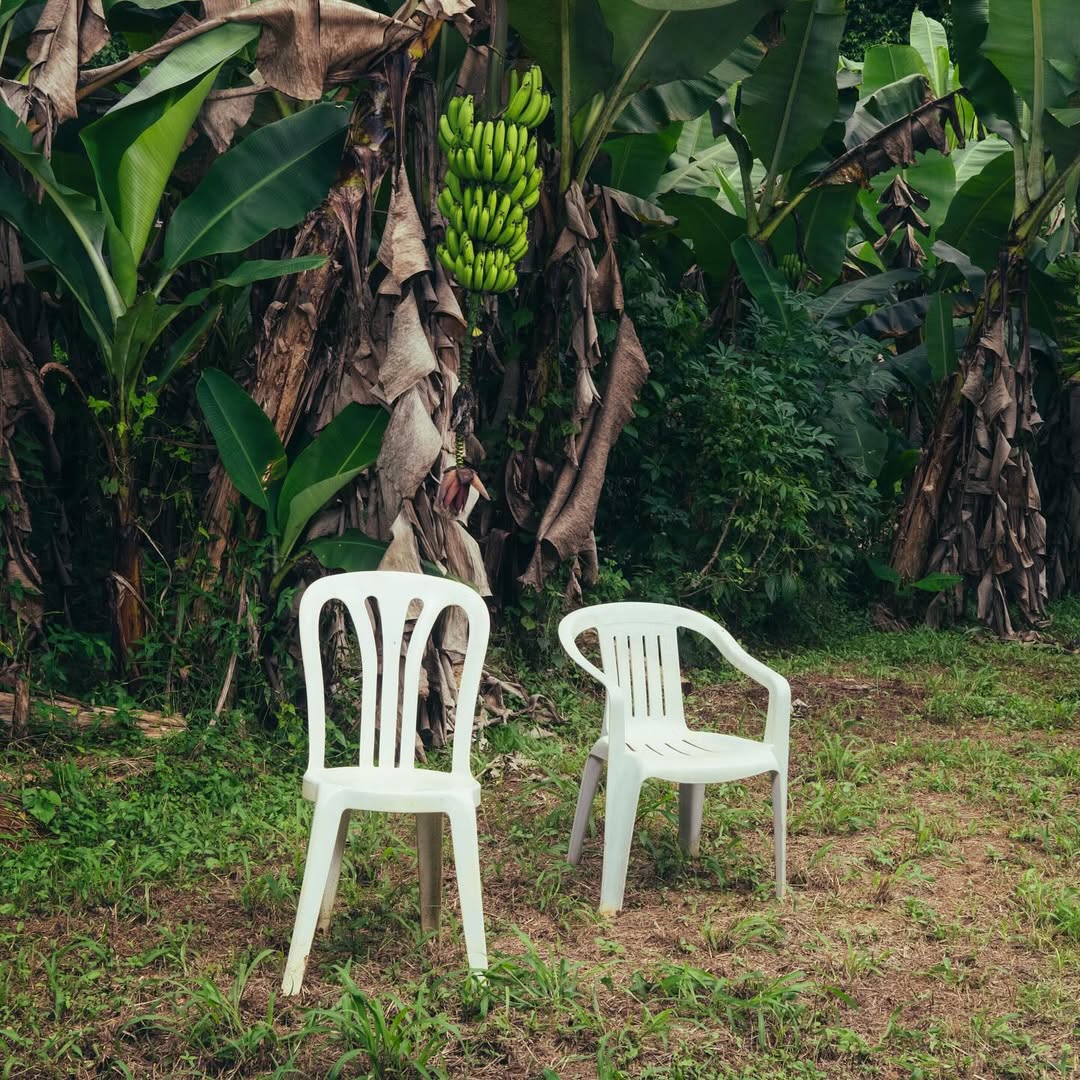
[[67, 34], [221, 117], [403, 250], [409, 357], [571, 530], [409, 449]]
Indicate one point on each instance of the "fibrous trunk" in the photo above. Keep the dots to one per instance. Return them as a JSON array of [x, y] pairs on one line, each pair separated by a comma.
[[973, 507]]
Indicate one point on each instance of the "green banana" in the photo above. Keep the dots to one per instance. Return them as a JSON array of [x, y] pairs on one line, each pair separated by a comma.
[[458, 219], [454, 185], [472, 216], [520, 99], [499, 143], [483, 223], [467, 198], [453, 109], [465, 112], [512, 139], [453, 242], [518, 190], [487, 145], [529, 117], [515, 82], [471, 163], [491, 272], [446, 133], [530, 200], [535, 177], [530, 153], [445, 202], [444, 257], [518, 171]]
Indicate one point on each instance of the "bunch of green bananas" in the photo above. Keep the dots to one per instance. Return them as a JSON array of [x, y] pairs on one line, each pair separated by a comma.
[[491, 185]]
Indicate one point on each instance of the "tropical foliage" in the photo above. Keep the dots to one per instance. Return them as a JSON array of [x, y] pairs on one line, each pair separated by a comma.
[[821, 290]]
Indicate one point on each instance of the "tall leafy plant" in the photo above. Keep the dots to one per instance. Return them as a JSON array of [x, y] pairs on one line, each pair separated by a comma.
[[291, 494], [97, 244]]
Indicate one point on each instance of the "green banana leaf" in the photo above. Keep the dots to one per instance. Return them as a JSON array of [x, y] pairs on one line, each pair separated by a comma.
[[990, 91], [351, 551], [246, 440], [347, 446], [763, 281], [134, 146], [711, 230], [269, 181], [928, 38], [823, 221], [187, 345], [981, 212], [1035, 45], [841, 300], [85, 221], [638, 161], [939, 337], [788, 103], [264, 269], [886, 64], [43, 227]]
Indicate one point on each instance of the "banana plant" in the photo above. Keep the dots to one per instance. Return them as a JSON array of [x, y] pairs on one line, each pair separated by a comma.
[[291, 494], [97, 243], [1020, 63]]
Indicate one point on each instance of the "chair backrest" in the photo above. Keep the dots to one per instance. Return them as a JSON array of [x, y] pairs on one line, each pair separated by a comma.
[[639, 654], [388, 596]]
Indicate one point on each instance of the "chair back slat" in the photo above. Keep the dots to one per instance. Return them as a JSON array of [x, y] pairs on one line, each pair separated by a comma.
[[379, 604]]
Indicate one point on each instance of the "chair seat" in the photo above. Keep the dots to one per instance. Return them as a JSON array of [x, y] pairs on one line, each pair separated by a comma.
[[696, 757], [415, 791]]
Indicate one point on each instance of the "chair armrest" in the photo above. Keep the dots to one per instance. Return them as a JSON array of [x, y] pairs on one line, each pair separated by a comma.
[[778, 718], [615, 709]]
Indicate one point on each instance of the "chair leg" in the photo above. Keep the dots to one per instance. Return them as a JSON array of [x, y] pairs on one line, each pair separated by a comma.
[[779, 800], [590, 779], [320, 854], [467, 868], [326, 911], [691, 807], [619, 817]]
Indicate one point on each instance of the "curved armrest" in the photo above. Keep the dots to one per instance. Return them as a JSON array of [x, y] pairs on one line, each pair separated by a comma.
[[615, 711], [778, 718]]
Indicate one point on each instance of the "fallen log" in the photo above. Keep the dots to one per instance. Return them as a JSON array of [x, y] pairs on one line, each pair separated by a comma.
[[154, 725]]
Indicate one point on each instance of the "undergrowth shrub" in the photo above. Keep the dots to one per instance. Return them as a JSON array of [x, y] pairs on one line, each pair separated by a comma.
[[728, 491]]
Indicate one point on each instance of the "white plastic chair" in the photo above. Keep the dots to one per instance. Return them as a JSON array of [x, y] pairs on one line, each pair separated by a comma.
[[645, 734], [387, 780]]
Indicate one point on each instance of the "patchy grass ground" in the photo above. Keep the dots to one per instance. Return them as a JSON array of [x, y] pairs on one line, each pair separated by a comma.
[[147, 892]]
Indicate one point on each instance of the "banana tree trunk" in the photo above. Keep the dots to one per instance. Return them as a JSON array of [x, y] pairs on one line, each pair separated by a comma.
[[974, 507]]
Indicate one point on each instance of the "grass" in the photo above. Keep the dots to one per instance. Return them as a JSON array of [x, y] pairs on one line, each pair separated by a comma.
[[147, 892]]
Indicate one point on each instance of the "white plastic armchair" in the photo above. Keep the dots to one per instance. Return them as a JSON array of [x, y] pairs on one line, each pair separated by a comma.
[[645, 734], [386, 777]]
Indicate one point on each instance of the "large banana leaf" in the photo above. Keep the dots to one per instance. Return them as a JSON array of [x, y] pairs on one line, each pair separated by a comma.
[[350, 551], [981, 212], [823, 221], [990, 91], [762, 280], [269, 181], [87, 224], [344, 448], [638, 161], [841, 300], [134, 146], [711, 230], [657, 106], [657, 43], [44, 227], [929, 40], [246, 440], [885, 64], [1035, 44], [860, 440], [939, 337], [791, 99]]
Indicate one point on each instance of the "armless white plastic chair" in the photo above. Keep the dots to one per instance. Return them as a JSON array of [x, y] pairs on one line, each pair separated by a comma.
[[386, 777], [645, 733]]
